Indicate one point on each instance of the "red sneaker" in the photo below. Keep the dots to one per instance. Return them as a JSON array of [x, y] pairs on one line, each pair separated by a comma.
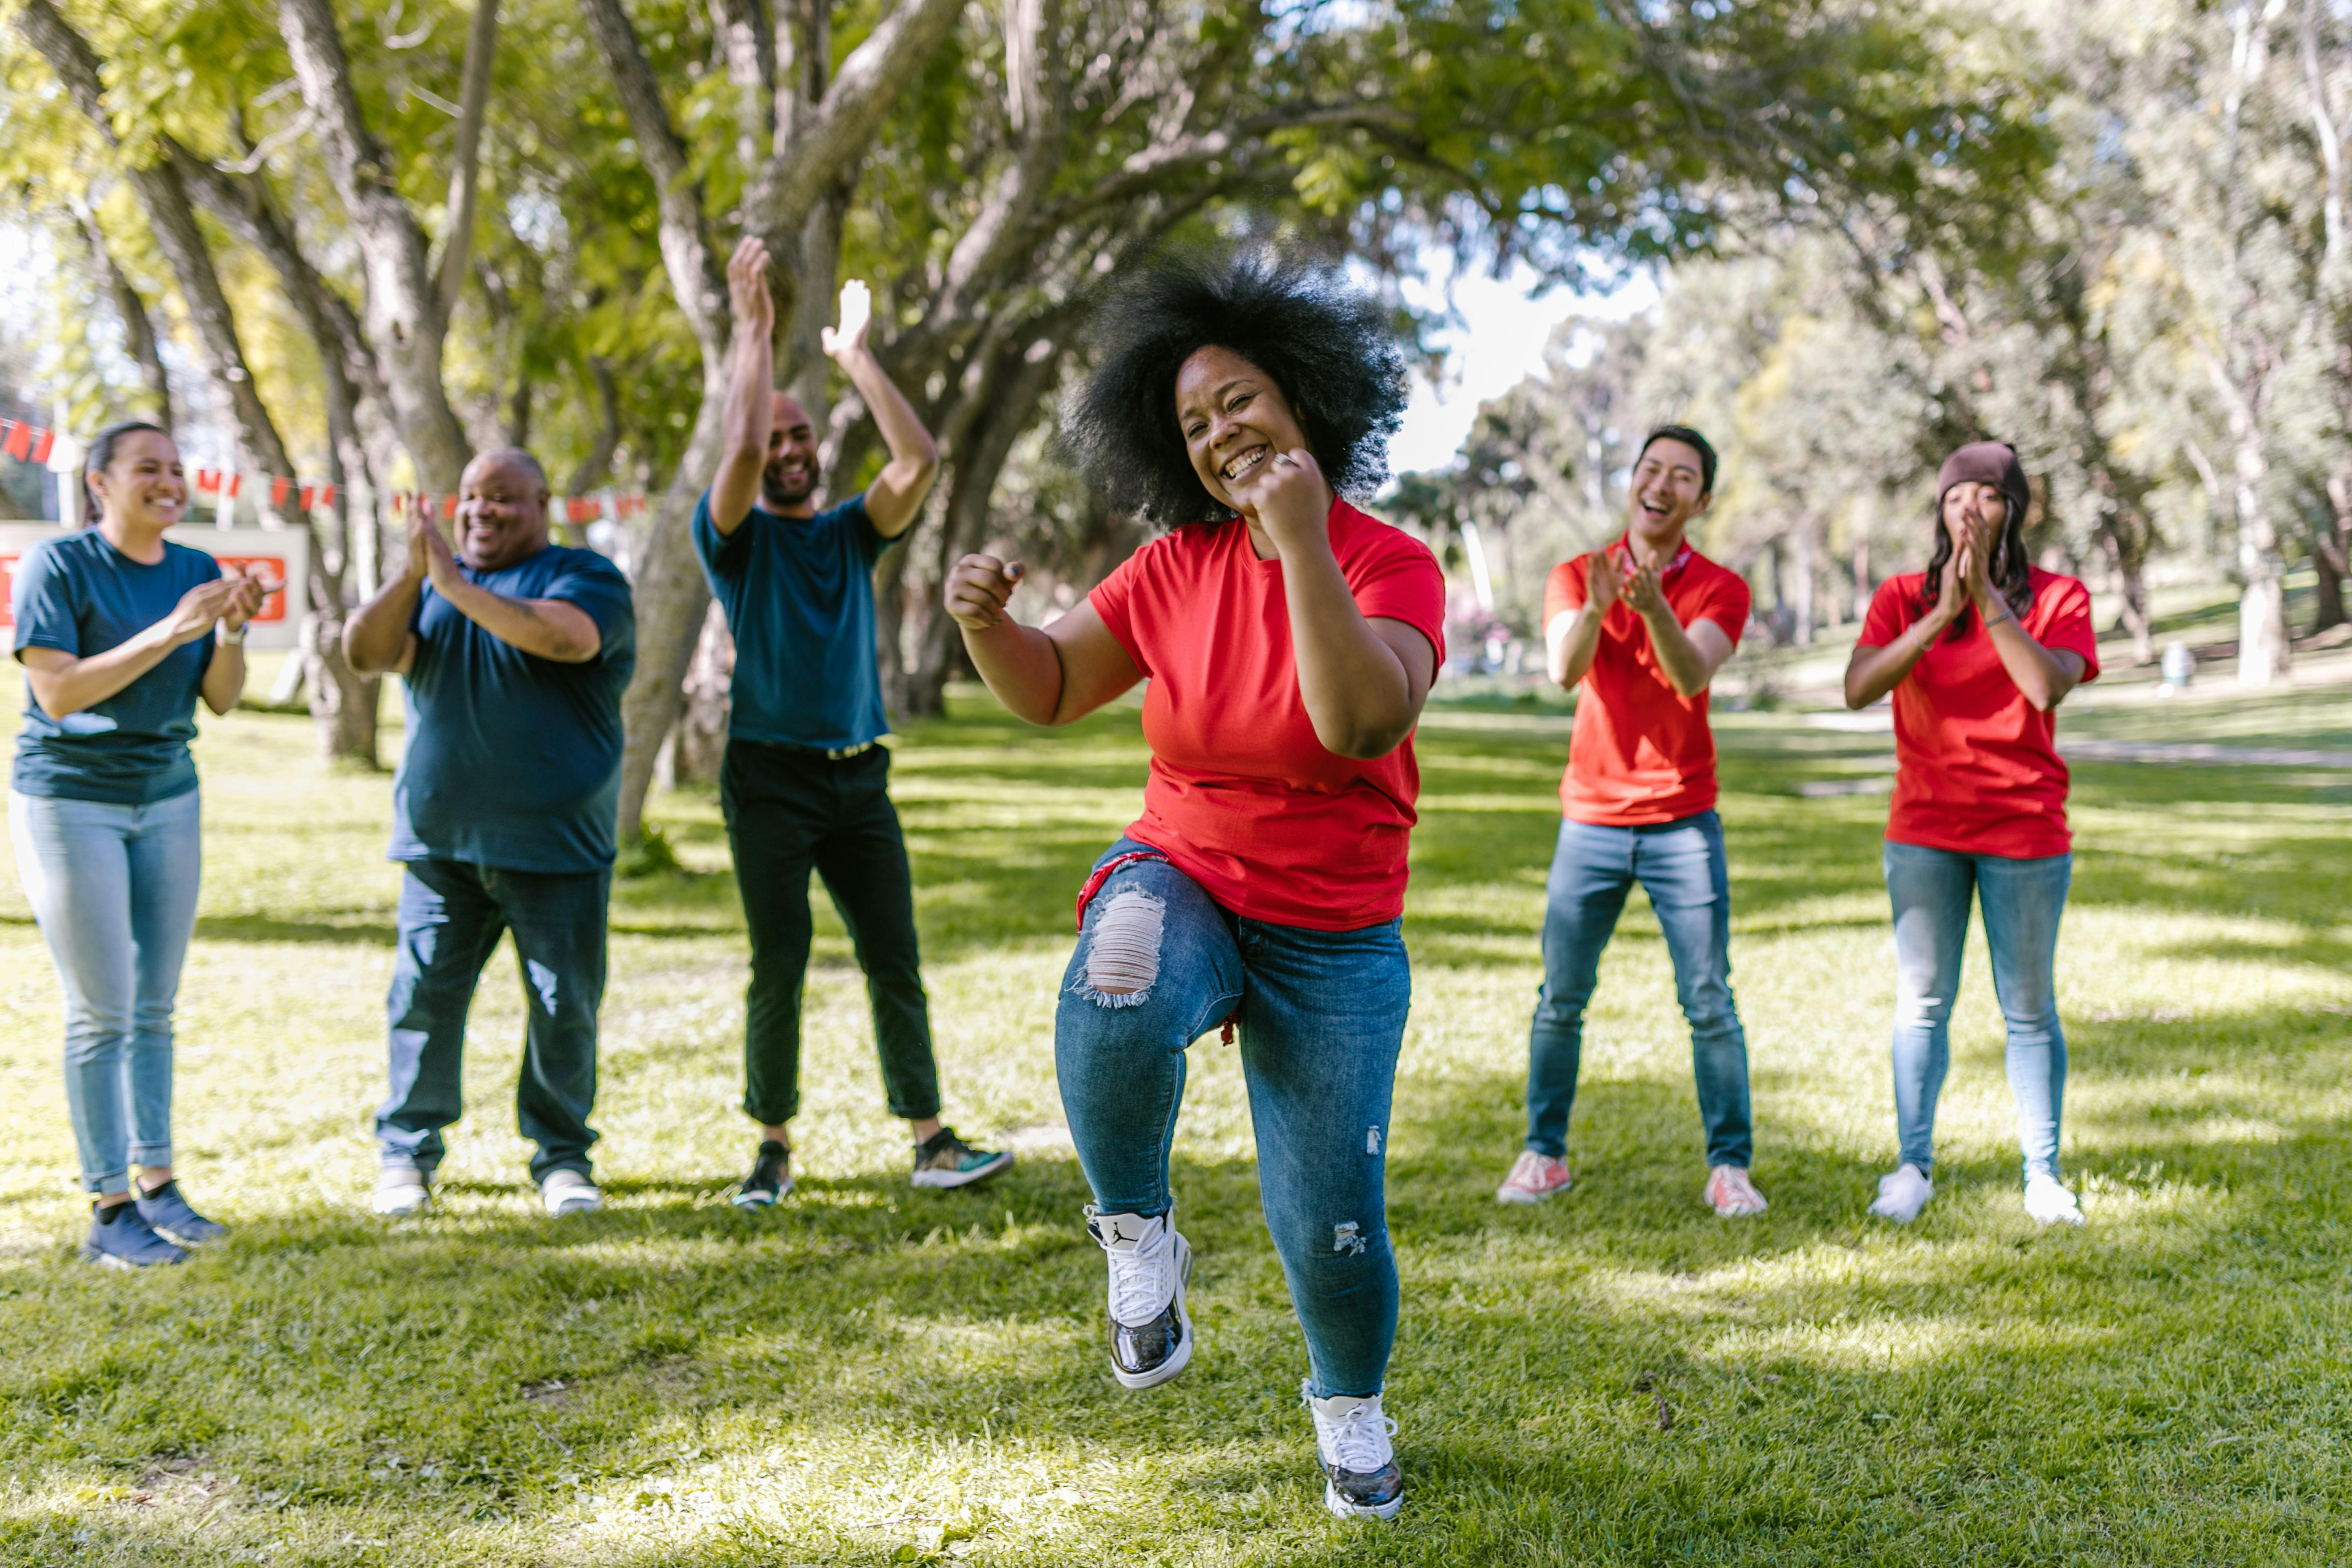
[[1535, 1178]]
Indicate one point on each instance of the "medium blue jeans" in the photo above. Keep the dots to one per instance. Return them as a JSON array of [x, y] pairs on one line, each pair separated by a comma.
[[1681, 866], [114, 890], [2023, 900], [1321, 1016], [451, 917]]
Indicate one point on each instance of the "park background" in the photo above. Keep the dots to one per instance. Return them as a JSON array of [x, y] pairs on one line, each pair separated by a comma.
[[347, 246]]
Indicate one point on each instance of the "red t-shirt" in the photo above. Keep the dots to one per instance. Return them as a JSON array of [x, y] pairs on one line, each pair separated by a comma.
[[1242, 797], [1975, 765], [1641, 751]]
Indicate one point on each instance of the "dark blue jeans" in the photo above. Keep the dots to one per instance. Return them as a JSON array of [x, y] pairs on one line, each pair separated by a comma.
[[451, 917], [1321, 1016], [1681, 866]]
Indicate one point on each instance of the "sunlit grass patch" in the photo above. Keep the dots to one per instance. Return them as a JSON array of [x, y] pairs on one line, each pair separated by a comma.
[[870, 1374]]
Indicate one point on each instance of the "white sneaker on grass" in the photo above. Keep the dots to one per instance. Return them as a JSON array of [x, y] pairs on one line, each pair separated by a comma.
[[402, 1191], [1902, 1194], [1360, 1478], [1151, 1264], [2047, 1201], [567, 1191]]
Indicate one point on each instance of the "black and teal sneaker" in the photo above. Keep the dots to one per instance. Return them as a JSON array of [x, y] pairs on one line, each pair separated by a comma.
[[771, 1177], [944, 1160]]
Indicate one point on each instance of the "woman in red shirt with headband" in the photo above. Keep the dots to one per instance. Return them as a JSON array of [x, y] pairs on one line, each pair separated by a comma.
[[1979, 650]]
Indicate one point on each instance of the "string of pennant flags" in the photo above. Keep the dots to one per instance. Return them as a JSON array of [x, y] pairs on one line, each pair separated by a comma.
[[30, 443]]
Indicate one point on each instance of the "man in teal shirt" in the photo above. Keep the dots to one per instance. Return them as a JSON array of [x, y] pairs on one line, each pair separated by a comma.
[[514, 652], [805, 785]]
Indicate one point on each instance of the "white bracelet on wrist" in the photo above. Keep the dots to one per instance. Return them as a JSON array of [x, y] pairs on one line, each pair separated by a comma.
[[233, 637]]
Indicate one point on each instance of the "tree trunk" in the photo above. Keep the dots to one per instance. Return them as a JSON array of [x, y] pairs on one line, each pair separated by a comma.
[[699, 744], [1803, 566], [405, 319], [138, 327], [2330, 558], [2262, 653]]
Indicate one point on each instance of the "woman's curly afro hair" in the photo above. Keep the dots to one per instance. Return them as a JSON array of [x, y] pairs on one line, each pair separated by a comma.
[[1326, 345]]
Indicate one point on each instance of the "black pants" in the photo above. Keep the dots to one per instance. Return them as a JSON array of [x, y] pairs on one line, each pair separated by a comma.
[[790, 811]]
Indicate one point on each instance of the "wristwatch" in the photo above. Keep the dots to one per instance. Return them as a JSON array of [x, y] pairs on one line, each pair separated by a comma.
[[237, 636]]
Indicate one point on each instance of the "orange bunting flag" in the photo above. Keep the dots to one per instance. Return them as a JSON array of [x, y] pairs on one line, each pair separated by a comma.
[[208, 481], [278, 489], [326, 496], [235, 486], [310, 493], [448, 506], [19, 439], [42, 441]]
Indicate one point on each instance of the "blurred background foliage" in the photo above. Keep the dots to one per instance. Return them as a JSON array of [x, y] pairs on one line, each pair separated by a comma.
[[2112, 233]]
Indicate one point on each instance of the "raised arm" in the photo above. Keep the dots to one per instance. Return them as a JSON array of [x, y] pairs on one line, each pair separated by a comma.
[[65, 683], [750, 409], [1573, 637], [551, 628], [376, 638], [896, 497], [1362, 679], [224, 680], [1872, 672], [1687, 656], [1049, 675]]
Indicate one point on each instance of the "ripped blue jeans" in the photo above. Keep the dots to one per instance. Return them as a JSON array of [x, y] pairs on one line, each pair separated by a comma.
[[1321, 1018]]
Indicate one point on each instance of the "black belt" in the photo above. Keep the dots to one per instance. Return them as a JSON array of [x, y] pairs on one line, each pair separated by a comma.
[[830, 753]]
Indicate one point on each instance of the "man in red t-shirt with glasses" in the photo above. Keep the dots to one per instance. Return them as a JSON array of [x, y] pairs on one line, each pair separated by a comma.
[[1642, 625]]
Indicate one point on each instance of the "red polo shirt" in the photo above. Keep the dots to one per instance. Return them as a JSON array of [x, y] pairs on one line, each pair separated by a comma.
[[1242, 797], [1975, 765], [1642, 753]]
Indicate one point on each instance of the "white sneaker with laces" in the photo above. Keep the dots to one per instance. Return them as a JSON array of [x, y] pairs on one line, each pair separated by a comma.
[[1360, 1478], [1150, 1264], [2047, 1202], [1534, 1177], [570, 1192], [1902, 1194]]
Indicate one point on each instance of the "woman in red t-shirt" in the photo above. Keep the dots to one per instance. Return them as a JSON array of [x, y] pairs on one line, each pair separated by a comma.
[[1290, 641], [1979, 651]]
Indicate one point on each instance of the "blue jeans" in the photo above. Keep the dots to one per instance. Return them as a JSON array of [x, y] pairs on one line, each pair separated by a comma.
[[1681, 866], [2021, 900], [451, 917], [114, 890], [1321, 1016]]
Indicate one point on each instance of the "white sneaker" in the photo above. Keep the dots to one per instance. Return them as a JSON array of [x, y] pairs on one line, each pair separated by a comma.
[[402, 1191], [1732, 1195], [2047, 1202], [1902, 1194], [568, 1191], [1150, 1264], [1360, 1478]]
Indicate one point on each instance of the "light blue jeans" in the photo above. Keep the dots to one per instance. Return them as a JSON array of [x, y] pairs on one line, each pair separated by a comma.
[[1681, 866], [1321, 1017], [2021, 900], [114, 890]]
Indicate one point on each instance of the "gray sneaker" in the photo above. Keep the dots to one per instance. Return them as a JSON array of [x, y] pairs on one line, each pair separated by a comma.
[[947, 1161], [567, 1191], [403, 1190]]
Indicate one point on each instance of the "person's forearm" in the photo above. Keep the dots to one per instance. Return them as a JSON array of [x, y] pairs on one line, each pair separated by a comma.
[[898, 491], [1355, 690], [745, 422], [1572, 648], [549, 628], [87, 682], [1679, 658], [224, 676], [2037, 671], [1022, 667], [378, 630]]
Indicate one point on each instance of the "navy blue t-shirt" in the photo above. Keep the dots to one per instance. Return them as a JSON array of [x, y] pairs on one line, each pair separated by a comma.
[[798, 592], [81, 595], [514, 761]]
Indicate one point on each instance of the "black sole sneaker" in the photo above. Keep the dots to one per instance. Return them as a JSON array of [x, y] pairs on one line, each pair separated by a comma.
[[770, 1178], [947, 1161], [1150, 1355]]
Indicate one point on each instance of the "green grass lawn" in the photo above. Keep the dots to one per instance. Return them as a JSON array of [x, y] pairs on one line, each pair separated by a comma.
[[871, 1375]]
